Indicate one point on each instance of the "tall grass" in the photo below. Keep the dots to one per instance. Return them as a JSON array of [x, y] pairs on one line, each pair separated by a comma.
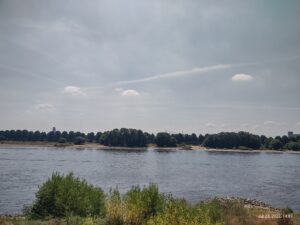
[[115, 209], [135, 207]]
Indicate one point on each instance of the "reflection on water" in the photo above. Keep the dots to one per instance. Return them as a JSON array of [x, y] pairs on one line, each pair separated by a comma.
[[127, 150], [194, 175], [165, 150], [220, 152]]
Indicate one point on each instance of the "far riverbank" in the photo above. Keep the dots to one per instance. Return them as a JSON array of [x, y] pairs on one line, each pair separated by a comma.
[[94, 146]]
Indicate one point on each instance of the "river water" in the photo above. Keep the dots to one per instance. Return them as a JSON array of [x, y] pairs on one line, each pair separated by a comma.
[[195, 175]]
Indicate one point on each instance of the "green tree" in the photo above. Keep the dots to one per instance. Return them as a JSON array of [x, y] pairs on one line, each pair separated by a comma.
[[275, 144], [90, 137], [37, 136], [232, 140], [284, 139], [62, 140], [2, 137], [164, 139], [294, 146], [263, 139], [200, 139], [79, 140], [71, 136], [97, 137]]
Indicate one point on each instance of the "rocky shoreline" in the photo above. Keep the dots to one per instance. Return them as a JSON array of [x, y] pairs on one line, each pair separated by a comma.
[[247, 203]]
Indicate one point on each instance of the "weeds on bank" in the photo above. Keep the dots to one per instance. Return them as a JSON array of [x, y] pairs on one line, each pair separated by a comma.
[[67, 200]]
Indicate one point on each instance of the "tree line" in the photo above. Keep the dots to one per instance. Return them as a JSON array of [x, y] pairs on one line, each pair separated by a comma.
[[125, 137]]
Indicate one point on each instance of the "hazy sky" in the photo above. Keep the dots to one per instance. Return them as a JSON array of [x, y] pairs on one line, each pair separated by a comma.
[[159, 65]]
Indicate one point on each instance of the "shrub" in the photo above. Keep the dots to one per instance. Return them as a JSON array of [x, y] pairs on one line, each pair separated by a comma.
[[295, 146], [275, 144], [62, 140], [209, 212], [115, 209], [64, 195], [179, 212], [287, 210], [141, 204], [79, 140], [72, 201]]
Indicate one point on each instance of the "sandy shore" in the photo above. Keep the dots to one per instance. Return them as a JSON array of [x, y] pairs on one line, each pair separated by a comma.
[[95, 146], [49, 145]]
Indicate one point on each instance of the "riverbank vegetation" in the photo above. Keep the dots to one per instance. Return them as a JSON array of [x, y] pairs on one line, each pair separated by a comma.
[[65, 199], [137, 138]]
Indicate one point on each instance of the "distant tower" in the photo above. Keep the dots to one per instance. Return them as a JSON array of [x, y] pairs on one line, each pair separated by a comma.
[[54, 129], [290, 134]]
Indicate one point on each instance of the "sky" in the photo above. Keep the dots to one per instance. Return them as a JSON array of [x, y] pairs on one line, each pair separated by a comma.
[[161, 65]]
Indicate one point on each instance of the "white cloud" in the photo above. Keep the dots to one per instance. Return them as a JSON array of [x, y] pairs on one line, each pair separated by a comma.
[[74, 91], [181, 73], [130, 93], [241, 77], [45, 107], [298, 124]]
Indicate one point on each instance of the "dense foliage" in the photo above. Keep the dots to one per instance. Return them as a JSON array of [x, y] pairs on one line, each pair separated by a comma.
[[69, 200], [137, 138], [78, 140], [164, 139], [136, 206], [232, 140], [189, 139], [62, 196], [52, 136], [125, 137]]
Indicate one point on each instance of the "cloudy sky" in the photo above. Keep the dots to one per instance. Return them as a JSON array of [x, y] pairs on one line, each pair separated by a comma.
[[160, 65]]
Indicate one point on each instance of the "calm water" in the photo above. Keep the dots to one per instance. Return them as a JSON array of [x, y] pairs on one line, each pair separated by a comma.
[[194, 175]]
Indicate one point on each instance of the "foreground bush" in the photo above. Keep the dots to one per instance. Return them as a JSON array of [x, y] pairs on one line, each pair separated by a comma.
[[179, 212], [62, 196], [141, 204], [115, 209], [135, 207], [66, 200], [148, 206]]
